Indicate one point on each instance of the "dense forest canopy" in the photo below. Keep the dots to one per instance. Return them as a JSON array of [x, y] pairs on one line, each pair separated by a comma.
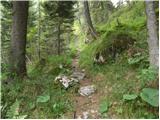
[[79, 59]]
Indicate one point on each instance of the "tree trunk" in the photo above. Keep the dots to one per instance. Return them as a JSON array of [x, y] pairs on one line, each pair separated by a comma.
[[39, 30], [102, 5], [152, 34], [18, 38], [59, 39], [88, 19]]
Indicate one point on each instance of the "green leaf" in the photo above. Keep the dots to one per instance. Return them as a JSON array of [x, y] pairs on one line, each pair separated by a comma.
[[13, 110], [150, 96], [104, 107], [32, 105], [43, 99], [129, 96]]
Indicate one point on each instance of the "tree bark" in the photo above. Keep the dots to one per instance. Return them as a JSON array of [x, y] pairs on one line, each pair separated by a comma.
[[39, 30], [18, 38], [59, 39], [88, 19], [152, 34]]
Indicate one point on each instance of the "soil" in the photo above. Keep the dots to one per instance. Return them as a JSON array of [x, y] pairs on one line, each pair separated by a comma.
[[89, 104]]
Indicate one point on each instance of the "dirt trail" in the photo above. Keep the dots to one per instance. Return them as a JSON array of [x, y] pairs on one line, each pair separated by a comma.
[[86, 106]]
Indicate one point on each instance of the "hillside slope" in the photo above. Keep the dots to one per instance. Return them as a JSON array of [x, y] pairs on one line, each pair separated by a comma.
[[122, 74]]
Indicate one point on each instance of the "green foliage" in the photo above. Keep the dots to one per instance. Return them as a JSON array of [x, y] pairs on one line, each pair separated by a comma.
[[41, 80], [31, 105], [104, 107], [6, 23], [86, 56], [52, 65], [60, 17], [116, 78], [132, 21], [138, 59], [150, 96], [101, 8], [13, 111], [57, 60], [119, 110], [59, 108], [129, 97], [43, 98], [147, 75]]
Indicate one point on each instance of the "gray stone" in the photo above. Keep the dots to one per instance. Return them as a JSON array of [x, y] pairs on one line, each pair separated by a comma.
[[78, 75], [66, 81], [85, 115], [87, 90]]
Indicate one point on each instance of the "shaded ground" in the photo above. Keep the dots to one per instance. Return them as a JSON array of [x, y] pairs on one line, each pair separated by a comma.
[[112, 83], [85, 106]]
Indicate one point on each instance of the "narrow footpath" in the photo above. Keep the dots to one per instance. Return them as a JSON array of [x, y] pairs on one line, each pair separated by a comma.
[[86, 107]]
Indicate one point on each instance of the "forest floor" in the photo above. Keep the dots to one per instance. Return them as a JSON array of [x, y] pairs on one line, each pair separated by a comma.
[[111, 81], [110, 87], [85, 106]]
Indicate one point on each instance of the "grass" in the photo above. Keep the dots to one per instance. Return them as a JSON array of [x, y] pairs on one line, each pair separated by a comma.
[[40, 82], [117, 78], [112, 79]]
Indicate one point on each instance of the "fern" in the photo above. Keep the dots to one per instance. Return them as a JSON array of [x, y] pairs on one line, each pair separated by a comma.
[[13, 111]]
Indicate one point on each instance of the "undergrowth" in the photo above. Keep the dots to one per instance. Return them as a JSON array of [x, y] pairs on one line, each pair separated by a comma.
[[130, 72], [38, 96]]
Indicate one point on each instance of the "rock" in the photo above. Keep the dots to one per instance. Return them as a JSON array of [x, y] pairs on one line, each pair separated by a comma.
[[60, 66], [79, 117], [58, 78], [74, 80], [85, 115], [90, 97], [78, 75], [66, 81], [87, 90], [69, 80], [92, 111]]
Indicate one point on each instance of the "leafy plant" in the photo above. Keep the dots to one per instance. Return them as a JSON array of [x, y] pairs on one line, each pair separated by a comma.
[[129, 96], [119, 110], [31, 105], [137, 59], [147, 75], [13, 112], [59, 108], [150, 96], [43, 99], [104, 107]]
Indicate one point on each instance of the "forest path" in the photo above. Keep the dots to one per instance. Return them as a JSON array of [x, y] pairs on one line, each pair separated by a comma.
[[85, 106]]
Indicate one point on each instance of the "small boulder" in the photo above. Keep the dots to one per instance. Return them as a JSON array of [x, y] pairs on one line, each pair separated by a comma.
[[87, 90], [66, 81]]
